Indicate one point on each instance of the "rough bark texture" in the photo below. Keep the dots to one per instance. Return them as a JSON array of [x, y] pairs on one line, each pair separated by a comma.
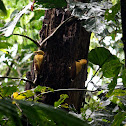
[[70, 44], [123, 17]]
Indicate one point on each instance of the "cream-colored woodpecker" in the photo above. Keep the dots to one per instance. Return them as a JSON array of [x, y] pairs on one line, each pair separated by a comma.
[[76, 67], [38, 60]]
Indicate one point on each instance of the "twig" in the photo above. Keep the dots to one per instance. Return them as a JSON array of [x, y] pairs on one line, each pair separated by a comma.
[[18, 107], [19, 79], [69, 89], [29, 39], [58, 90], [93, 76], [98, 69]]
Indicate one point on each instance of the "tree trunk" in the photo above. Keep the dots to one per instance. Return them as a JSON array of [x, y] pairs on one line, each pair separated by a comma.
[[69, 44]]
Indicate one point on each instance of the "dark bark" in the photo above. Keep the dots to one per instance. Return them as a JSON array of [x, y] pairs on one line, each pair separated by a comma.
[[70, 44], [123, 16]]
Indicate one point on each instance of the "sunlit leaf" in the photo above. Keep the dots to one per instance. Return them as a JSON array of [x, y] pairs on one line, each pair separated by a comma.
[[15, 94], [29, 93], [115, 1], [43, 89], [63, 97], [40, 89], [118, 92], [20, 97]]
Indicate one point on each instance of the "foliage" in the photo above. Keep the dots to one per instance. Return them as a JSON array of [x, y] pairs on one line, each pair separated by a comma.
[[37, 114], [104, 106], [52, 3], [2, 7]]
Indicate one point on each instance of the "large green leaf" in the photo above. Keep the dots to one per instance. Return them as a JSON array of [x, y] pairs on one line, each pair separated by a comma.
[[2, 7], [99, 56], [8, 109], [110, 68], [52, 3], [37, 114], [60, 117]]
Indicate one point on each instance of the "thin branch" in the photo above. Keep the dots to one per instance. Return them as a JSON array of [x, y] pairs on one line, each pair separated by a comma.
[[59, 90], [71, 18], [29, 39], [16, 78], [18, 107], [98, 69], [93, 76], [69, 89]]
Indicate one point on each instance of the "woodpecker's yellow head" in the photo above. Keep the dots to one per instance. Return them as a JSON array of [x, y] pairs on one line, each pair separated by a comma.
[[83, 61], [39, 52]]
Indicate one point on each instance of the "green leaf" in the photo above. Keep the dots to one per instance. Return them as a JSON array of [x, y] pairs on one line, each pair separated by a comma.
[[113, 83], [37, 114], [118, 92], [52, 3], [61, 100], [119, 117], [117, 100], [40, 89], [43, 89], [4, 45], [114, 10], [60, 117], [109, 68], [124, 77], [2, 7], [38, 14], [8, 109], [29, 93], [99, 56], [7, 90]]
